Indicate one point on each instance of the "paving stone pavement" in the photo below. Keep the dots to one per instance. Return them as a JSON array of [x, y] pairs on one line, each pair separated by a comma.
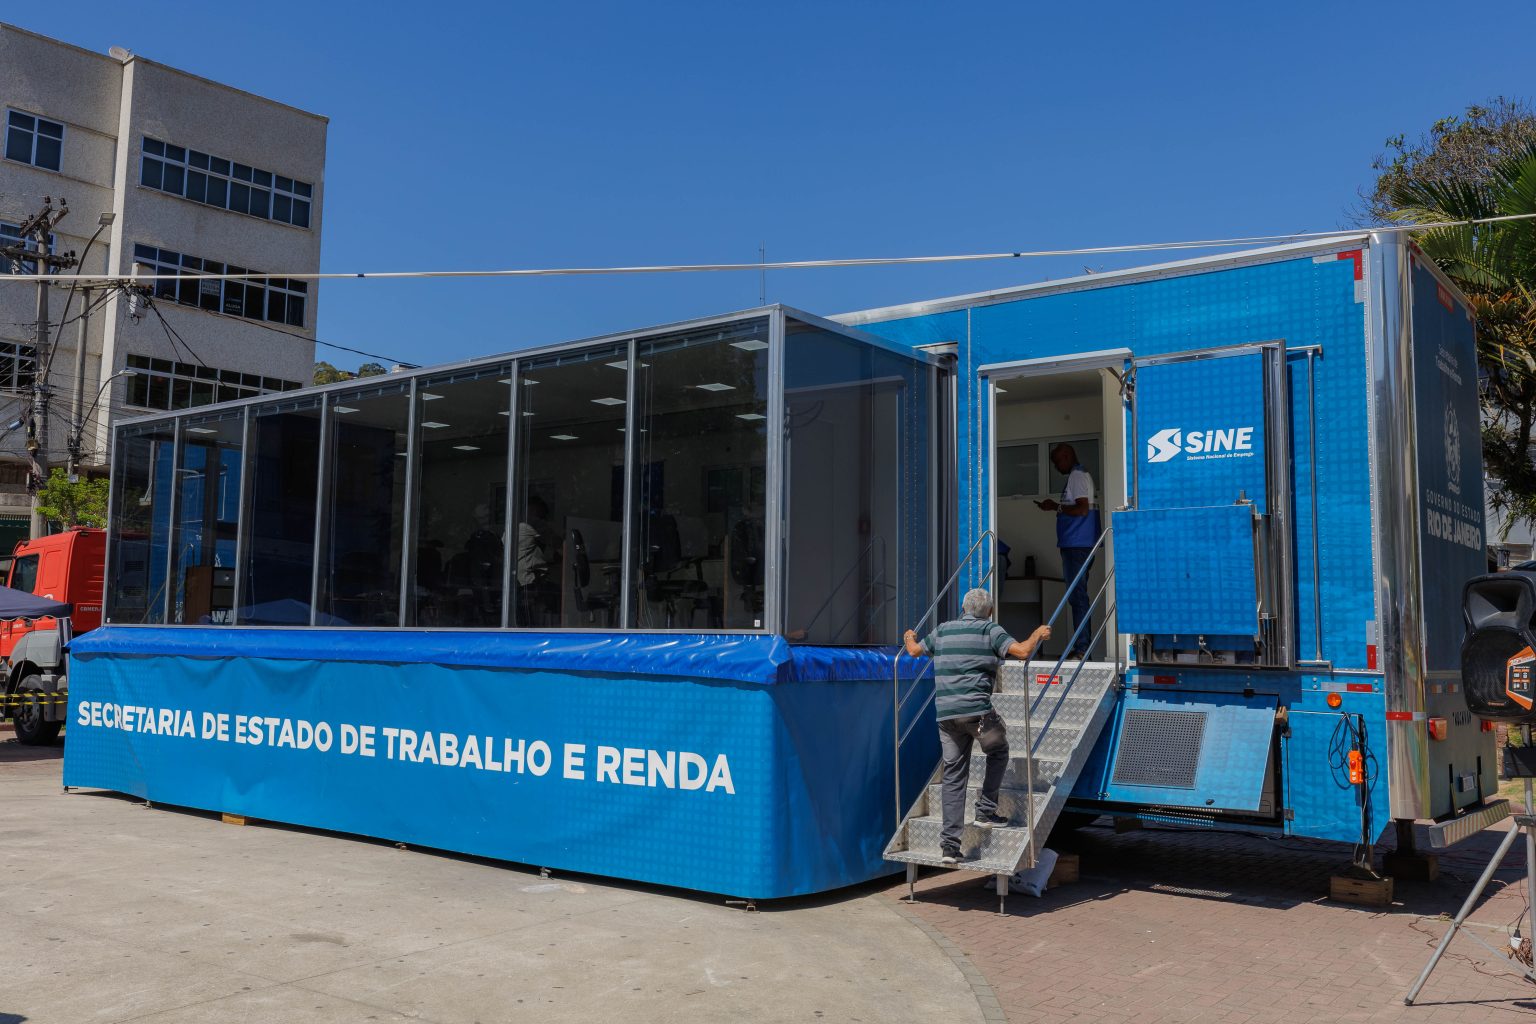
[[1170, 927]]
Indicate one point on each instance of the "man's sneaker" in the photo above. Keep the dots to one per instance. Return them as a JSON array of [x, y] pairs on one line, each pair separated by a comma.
[[989, 820], [951, 856]]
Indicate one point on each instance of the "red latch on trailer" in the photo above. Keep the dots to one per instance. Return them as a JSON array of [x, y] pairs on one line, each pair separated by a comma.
[[1439, 728], [1166, 680]]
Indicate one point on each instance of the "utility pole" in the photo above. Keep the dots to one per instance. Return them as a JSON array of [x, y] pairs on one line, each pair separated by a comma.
[[38, 227]]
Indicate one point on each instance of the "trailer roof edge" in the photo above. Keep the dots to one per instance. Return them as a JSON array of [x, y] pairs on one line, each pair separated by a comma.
[[1109, 278]]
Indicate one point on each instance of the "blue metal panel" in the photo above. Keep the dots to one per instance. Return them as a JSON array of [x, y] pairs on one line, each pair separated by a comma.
[[1303, 301], [1186, 571], [1234, 754], [787, 785], [1200, 432]]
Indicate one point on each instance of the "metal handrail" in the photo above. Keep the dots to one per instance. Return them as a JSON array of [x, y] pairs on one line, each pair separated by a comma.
[[1031, 744], [897, 701]]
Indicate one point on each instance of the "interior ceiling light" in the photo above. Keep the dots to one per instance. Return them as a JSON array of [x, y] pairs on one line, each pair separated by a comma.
[[201, 430], [717, 386], [750, 416], [434, 425], [505, 413], [528, 380], [562, 437], [504, 380], [466, 447], [608, 401], [343, 409], [427, 396], [624, 365], [999, 389], [750, 345], [526, 413]]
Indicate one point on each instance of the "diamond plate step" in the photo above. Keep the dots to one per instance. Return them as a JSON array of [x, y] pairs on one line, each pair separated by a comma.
[[1066, 717]]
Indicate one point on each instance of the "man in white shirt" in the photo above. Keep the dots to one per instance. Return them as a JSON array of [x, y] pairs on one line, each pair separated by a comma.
[[1077, 531]]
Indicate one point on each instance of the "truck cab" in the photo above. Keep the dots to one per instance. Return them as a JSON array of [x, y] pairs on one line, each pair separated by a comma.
[[64, 567]]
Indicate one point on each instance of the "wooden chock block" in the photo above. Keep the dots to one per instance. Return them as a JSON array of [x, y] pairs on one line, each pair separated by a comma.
[[1065, 871], [234, 819], [1363, 892]]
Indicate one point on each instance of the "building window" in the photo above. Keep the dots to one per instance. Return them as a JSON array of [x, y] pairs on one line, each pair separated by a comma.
[[277, 299], [163, 384], [215, 181], [34, 140], [18, 365], [10, 234]]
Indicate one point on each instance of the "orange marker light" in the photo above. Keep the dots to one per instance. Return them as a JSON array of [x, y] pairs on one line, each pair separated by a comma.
[[1335, 699], [1356, 768]]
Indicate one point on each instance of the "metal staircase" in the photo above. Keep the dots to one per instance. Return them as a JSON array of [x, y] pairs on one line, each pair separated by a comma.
[[1054, 717]]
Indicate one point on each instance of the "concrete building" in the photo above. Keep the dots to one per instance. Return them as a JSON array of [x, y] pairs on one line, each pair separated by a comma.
[[197, 177]]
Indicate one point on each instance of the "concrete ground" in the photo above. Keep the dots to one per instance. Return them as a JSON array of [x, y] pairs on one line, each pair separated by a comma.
[[1175, 927], [113, 912]]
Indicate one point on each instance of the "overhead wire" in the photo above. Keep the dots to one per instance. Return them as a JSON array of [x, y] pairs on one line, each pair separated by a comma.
[[683, 268]]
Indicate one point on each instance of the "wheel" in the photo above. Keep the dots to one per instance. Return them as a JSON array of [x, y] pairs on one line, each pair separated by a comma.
[[32, 728]]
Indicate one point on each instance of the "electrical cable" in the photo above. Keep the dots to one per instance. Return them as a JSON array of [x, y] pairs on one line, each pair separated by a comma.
[[878, 261]]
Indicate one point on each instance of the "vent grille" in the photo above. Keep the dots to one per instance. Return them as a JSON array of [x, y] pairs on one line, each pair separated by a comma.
[[1160, 748]]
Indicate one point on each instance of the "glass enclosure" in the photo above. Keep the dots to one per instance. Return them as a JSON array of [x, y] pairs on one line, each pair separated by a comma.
[[630, 482]]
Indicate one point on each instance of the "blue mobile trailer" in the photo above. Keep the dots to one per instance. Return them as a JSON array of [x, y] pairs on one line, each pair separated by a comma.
[[1292, 512], [664, 650]]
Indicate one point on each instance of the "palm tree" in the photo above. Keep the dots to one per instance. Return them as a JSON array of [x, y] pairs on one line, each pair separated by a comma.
[[1495, 264]]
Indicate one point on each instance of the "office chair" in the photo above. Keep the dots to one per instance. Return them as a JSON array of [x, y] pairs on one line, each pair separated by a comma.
[[581, 579], [664, 552]]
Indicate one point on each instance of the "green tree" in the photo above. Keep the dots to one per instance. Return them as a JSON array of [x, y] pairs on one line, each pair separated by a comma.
[[1495, 264], [83, 503], [1460, 149], [371, 370], [325, 373]]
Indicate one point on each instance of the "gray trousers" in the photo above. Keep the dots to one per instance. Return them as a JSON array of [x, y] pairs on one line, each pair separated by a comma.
[[955, 738]]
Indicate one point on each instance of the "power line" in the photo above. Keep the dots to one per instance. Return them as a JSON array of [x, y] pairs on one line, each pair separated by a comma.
[[877, 261]]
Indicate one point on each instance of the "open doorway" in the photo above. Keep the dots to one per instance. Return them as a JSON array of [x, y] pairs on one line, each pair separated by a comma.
[[1078, 415]]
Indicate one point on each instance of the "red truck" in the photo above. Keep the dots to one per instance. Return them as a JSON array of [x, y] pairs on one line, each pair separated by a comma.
[[66, 567]]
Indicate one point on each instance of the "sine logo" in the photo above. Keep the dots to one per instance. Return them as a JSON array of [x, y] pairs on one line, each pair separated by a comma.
[[1218, 443]]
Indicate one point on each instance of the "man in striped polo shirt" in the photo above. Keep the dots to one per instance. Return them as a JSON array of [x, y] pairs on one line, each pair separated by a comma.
[[966, 652]]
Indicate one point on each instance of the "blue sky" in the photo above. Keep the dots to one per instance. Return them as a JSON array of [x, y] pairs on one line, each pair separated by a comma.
[[478, 135]]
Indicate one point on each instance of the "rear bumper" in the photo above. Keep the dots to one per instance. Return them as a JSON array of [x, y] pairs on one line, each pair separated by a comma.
[[1476, 818]]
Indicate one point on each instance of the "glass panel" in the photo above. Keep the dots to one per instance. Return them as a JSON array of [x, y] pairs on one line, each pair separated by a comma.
[[197, 186], [700, 456], [570, 489], [296, 311], [1018, 469], [360, 567], [208, 482], [285, 449], [141, 522], [24, 573], [301, 213], [175, 152], [18, 145], [282, 207], [197, 159], [149, 175], [259, 203], [154, 146], [48, 152], [461, 519], [218, 192], [218, 165], [858, 450], [172, 179]]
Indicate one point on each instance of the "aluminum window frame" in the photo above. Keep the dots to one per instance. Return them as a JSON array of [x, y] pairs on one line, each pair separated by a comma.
[[230, 180], [775, 534], [35, 131]]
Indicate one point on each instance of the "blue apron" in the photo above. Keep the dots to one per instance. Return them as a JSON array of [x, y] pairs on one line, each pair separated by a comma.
[[1076, 531]]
